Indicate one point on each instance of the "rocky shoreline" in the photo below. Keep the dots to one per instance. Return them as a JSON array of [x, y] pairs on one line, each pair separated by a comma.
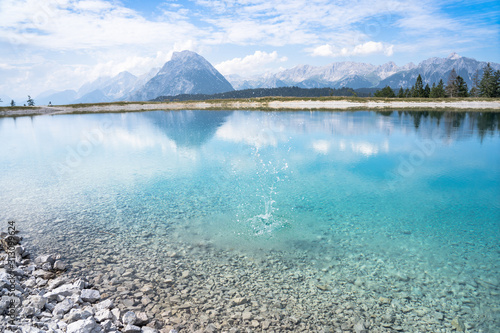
[[257, 104], [38, 296], [173, 286]]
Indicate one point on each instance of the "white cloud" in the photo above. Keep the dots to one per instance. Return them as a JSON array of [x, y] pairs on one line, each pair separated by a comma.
[[61, 25], [323, 51], [250, 64], [367, 48], [88, 37], [254, 129], [321, 146]]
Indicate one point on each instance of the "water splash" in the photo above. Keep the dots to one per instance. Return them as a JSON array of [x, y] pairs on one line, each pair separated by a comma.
[[270, 174]]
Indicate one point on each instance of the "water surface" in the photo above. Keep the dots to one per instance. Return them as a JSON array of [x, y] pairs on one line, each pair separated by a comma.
[[377, 196]]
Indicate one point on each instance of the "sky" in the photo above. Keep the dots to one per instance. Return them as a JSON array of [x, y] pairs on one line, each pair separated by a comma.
[[62, 44]]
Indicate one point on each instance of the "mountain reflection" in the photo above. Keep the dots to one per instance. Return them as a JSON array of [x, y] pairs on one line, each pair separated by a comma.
[[261, 129], [188, 128]]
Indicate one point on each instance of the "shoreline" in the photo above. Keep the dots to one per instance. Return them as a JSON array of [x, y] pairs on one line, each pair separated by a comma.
[[258, 104]]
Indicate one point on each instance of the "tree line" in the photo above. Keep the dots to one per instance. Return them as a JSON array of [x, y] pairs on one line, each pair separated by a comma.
[[270, 92], [486, 86], [30, 102]]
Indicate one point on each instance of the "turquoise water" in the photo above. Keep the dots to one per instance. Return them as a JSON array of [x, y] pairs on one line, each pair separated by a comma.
[[419, 191]]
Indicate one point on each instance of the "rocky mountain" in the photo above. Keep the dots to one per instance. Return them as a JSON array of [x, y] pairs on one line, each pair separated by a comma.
[[434, 69], [104, 89], [361, 75], [186, 73], [189, 73]]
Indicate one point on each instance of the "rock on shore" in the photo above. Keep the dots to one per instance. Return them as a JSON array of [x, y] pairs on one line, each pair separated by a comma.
[[47, 300]]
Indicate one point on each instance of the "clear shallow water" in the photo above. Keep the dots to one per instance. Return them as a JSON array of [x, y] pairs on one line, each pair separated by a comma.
[[408, 193]]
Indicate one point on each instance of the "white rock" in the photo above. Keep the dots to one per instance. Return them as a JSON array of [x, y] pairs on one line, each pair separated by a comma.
[[76, 314], [62, 325], [4, 304], [44, 259], [247, 315], [90, 309], [90, 295], [116, 313], [132, 329], [43, 274], [142, 319], [59, 265], [38, 302], [108, 325], [64, 290], [84, 326], [30, 283], [4, 278], [56, 282], [146, 329], [106, 304], [103, 315], [30, 329], [62, 308], [129, 318], [80, 284], [47, 266], [360, 328], [28, 311]]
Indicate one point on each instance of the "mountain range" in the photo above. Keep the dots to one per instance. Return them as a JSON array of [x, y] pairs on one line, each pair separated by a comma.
[[361, 75], [190, 73]]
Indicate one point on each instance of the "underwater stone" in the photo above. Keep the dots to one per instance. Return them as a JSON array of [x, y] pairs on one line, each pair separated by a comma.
[[457, 324], [238, 301], [384, 300], [360, 328], [59, 265]]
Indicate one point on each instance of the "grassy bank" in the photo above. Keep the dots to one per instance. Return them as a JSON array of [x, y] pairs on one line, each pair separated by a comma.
[[272, 104]]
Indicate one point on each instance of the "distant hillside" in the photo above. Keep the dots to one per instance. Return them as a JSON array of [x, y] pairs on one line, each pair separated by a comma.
[[268, 92]]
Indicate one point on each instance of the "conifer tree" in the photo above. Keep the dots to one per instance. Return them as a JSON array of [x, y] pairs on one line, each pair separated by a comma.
[[440, 89], [497, 84], [418, 88], [385, 92], [407, 92], [451, 88], [12, 103], [432, 93], [487, 85], [427, 91], [30, 101], [474, 91], [401, 92], [462, 90]]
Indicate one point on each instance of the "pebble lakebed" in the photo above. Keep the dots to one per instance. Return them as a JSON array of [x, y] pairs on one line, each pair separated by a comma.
[[155, 280]]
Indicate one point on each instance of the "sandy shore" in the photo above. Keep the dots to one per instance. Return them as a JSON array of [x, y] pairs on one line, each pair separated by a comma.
[[492, 105]]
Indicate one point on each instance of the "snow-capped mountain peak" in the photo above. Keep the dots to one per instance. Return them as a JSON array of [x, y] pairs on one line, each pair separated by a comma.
[[186, 73], [362, 75]]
